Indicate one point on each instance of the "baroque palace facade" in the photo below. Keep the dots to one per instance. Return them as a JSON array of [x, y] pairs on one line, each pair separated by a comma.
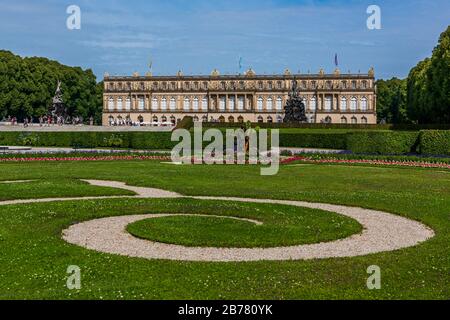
[[165, 100]]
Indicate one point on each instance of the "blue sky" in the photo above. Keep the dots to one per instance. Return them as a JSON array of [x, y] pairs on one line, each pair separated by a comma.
[[196, 36]]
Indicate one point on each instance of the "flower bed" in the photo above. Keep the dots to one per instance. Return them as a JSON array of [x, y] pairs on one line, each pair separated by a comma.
[[88, 158], [372, 162]]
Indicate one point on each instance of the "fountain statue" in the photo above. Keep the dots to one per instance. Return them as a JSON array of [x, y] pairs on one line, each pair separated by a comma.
[[58, 109], [295, 111]]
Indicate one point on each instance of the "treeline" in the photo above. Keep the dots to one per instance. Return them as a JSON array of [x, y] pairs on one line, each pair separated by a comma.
[[424, 97], [27, 86]]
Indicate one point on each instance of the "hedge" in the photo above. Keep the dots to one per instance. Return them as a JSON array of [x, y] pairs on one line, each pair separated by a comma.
[[383, 142], [314, 140], [128, 140], [434, 142], [429, 142]]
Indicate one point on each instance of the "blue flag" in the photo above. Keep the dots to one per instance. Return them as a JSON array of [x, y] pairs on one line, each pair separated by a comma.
[[240, 64], [336, 62]]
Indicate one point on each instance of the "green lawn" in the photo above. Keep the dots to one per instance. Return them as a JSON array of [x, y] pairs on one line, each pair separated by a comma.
[[34, 258]]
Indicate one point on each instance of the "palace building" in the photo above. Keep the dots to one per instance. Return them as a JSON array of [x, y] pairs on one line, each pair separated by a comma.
[[165, 100]]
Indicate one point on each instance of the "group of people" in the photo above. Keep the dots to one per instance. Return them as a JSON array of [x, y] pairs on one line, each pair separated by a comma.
[[122, 123], [46, 120]]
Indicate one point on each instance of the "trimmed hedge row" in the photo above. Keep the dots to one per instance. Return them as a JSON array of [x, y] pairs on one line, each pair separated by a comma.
[[129, 140], [383, 142], [314, 140], [429, 142], [435, 142]]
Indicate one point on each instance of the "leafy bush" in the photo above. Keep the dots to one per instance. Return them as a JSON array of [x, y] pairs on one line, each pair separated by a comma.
[[28, 139], [435, 142], [187, 123], [313, 140], [382, 142]]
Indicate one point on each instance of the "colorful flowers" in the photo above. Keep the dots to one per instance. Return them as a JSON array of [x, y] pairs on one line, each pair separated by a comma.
[[420, 164], [86, 158]]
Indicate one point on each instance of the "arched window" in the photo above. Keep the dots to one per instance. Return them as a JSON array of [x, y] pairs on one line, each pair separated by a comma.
[[312, 103], [155, 103], [353, 104], [173, 104], [269, 119], [222, 103], [270, 85], [140, 119], [260, 119], [328, 103], [354, 120], [270, 104], [196, 119], [223, 85], [364, 104], [279, 119], [128, 104], [241, 103], [111, 120], [279, 85], [260, 85], [241, 119], [344, 120], [187, 104], [205, 119], [164, 119], [344, 84], [304, 85], [260, 104], [344, 104], [196, 104], [364, 85], [173, 120], [164, 103], [222, 119], [119, 103], [231, 119], [155, 119], [328, 120], [232, 103], [353, 85], [205, 103], [111, 103], [364, 120], [141, 104], [279, 104]]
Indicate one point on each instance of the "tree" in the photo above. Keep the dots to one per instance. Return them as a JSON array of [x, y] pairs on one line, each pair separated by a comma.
[[27, 86], [391, 101], [428, 87]]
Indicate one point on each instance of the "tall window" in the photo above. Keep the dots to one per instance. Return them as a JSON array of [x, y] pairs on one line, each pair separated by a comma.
[[279, 104], [364, 104], [354, 120], [260, 85], [128, 104], [232, 103], [260, 104], [119, 103], [313, 103], [155, 103], [353, 104], [364, 120], [270, 104], [205, 103], [241, 103], [328, 103], [196, 104], [111, 103], [164, 104], [222, 103], [173, 104], [344, 104], [141, 104], [344, 120], [187, 104]]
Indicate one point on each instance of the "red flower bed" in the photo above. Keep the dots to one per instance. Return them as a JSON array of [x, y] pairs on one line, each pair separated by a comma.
[[374, 162], [87, 158]]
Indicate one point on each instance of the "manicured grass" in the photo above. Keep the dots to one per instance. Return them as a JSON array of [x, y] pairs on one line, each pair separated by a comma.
[[282, 226], [55, 188], [34, 259]]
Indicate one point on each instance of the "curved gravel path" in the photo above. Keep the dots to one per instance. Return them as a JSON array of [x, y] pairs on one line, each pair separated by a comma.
[[382, 232]]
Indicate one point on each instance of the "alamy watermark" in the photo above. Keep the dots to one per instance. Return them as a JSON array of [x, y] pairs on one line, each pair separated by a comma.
[[374, 20], [238, 147], [73, 22], [374, 280], [74, 278]]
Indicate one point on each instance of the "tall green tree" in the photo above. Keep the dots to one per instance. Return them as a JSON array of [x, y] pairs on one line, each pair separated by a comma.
[[27, 86], [391, 101], [428, 87]]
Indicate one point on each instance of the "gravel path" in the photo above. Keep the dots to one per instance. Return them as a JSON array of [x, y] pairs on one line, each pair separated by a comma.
[[382, 232]]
